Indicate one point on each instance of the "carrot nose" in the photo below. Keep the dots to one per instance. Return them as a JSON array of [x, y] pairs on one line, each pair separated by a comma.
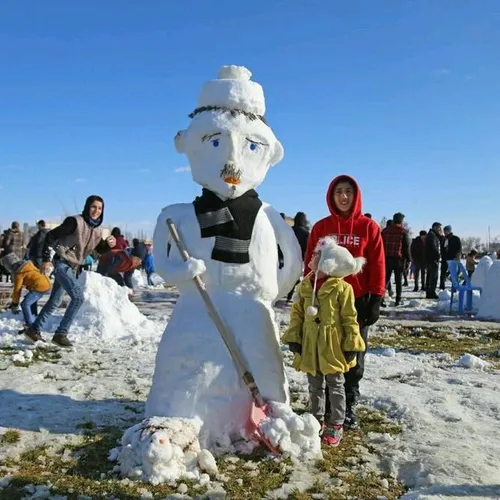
[[232, 180]]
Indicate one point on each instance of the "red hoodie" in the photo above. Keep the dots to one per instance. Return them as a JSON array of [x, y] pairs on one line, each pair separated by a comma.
[[360, 235]]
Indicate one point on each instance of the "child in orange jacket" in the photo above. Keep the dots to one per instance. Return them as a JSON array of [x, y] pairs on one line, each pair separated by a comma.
[[24, 273]]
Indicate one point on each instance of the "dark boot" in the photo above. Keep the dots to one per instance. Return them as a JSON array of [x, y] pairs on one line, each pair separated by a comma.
[[351, 419], [61, 339], [33, 335]]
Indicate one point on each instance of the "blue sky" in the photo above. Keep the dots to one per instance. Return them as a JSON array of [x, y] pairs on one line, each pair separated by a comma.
[[401, 94]]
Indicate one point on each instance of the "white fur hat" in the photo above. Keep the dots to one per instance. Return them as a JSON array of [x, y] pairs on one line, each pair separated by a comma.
[[233, 89], [337, 261]]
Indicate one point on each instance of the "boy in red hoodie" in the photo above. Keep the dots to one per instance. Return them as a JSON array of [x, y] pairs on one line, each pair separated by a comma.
[[361, 236]]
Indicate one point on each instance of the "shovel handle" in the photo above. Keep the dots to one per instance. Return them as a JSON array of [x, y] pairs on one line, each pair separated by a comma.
[[240, 363]]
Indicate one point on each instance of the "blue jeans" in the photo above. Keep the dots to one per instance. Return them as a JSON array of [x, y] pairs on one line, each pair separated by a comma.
[[64, 281], [28, 306]]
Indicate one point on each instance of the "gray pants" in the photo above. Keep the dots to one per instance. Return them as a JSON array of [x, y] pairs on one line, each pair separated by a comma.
[[336, 393]]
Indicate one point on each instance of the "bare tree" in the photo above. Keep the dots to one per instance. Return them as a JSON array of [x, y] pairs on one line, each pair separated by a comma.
[[471, 243], [495, 244], [383, 223]]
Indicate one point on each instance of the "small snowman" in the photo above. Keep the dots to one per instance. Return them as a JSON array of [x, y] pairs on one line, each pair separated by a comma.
[[233, 239]]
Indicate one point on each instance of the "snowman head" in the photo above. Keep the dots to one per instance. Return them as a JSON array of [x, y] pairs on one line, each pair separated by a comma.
[[228, 143]]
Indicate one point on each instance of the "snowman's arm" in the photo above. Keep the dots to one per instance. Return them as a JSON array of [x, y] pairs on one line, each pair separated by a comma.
[[289, 274], [168, 261]]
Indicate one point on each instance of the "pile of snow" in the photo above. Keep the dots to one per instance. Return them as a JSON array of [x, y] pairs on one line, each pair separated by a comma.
[[21, 356], [295, 435], [444, 296], [471, 361], [107, 312], [489, 305], [389, 352], [139, 280], [164, 450], [481, 272]]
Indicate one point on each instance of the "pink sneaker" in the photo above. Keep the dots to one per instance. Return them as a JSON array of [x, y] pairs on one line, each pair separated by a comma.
[[332, 435]]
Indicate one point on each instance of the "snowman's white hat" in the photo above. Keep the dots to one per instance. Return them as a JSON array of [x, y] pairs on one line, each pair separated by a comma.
[[336, 260], [232, 90]]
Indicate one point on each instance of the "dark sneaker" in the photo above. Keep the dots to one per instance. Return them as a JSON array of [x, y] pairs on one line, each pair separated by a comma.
[[33, 335], [415, 289], [351, 419], [61, 339]]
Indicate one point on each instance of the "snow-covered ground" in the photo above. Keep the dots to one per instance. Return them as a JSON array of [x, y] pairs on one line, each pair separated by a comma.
[[449, 410]]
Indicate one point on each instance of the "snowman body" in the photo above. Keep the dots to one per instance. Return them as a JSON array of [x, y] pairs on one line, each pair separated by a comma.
[[195, 376]]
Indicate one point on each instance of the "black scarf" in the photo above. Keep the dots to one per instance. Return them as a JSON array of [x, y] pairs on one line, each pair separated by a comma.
[[230, 221]]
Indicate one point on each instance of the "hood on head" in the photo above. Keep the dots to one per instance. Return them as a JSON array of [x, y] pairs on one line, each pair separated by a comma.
[[86, 209], [356, 206], [337, 261]]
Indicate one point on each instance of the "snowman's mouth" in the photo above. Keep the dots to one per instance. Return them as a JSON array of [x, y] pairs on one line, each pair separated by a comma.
[[230, 174]]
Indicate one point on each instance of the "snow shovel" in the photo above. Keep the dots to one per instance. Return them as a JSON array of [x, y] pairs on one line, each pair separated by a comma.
[[259, 411]]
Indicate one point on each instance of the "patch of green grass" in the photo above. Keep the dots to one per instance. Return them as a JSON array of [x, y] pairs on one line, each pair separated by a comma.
[[10, 437], [84, 469], [40, 354], [341, 463], [417, 340]]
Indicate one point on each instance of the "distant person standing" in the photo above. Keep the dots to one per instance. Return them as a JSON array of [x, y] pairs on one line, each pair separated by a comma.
[[452, 250], [417, 253], [432, 258], [13, 240], [301, 229], [397, 252], [36, 244]]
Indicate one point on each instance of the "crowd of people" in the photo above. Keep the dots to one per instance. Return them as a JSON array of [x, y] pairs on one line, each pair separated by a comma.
[[62, 254]]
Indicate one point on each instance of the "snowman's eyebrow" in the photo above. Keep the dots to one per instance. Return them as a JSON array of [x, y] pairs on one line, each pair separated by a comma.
[[207, 137], [256, 142]]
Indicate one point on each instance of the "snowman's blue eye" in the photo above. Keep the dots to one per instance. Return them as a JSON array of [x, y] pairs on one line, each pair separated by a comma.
[[215, 143], [253, 146]]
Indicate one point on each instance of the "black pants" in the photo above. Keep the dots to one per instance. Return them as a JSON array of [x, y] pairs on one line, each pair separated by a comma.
[[420, 271], [394, 264], [432, 279], [355, 374], [290, 293], [442, 277], [125, 280]]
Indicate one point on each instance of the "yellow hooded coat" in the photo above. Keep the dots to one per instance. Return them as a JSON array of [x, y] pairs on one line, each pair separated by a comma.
[[326, 336]]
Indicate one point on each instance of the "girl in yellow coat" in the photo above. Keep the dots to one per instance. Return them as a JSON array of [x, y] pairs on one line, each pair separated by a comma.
[[324, 332]]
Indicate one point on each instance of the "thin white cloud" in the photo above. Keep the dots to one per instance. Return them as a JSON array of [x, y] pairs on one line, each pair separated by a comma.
[[442, 72], [80, 180], [145, 170], [182, 169]]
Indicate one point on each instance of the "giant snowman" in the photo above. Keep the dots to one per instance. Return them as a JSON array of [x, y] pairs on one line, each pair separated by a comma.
[[233, 239]]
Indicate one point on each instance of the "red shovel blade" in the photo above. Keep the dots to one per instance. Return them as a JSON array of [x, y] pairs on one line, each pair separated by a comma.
[[257, 416]]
